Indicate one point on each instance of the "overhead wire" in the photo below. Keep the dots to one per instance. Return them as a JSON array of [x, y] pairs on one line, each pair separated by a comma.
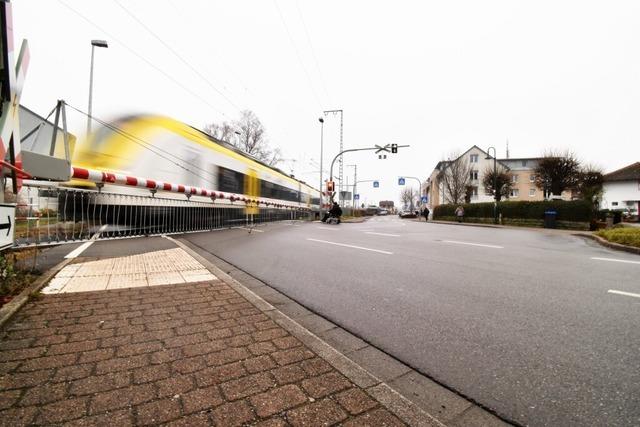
[[176, 54], [295, 48], [148, 62], [313, 53]]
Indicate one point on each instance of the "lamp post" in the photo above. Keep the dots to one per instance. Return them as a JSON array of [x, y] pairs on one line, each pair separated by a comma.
[[94, 43], [321, 120], [495, 183]]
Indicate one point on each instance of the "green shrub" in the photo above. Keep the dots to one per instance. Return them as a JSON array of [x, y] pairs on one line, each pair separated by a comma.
[[575, 211], [625, 236]]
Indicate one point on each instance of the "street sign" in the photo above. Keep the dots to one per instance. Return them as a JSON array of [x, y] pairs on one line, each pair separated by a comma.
[[356, 197], [380, 148], [400, 181], [425, 199], [7, 224], [376, 184]]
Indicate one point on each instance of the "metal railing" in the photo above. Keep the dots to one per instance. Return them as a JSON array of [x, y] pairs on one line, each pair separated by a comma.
[[54, 215]]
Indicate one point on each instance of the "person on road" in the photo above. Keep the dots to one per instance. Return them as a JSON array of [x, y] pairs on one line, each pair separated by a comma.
[[459, 213], [336, 211], [425, 212]]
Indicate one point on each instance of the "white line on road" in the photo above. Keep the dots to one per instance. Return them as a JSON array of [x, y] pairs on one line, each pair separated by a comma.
[[473, 244], [628, 294], [351, 246], [328, 228], [382, 234], [77, 251], [249, 229], [615, 260]]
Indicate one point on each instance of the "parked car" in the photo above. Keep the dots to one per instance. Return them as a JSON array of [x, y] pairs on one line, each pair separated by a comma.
[[406, 214], [383, 212]]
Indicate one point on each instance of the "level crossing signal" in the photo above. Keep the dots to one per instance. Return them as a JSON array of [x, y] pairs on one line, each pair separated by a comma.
[[394, 149], [331, 186]]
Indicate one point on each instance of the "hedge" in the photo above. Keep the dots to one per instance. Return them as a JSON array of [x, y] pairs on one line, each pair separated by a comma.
[[575, 211]]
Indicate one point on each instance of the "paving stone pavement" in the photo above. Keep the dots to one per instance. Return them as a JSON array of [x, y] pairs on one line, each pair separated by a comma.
[[185, 354]]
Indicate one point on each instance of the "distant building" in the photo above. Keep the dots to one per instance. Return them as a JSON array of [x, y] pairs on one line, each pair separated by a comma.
[[386, 204], [522, 172], [621, 189]]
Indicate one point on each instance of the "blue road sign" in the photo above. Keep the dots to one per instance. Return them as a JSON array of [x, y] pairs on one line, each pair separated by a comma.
[[400, 181], [425, 199], [376, 184], [356, 197]]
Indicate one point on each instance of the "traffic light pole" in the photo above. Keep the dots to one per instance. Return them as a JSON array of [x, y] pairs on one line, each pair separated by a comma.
[[377, 148]]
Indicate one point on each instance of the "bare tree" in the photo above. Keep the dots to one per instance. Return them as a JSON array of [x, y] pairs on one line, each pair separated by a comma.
[[407, 196], [247, 134], [455, 177], [557, 172], [221, 132], [503, 182]]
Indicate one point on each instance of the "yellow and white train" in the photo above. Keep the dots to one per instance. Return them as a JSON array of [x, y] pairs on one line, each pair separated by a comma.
[[163, 149]]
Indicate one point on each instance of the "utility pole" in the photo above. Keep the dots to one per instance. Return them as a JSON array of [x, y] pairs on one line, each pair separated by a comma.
[[355, 183], [340, 161], [321, 120]]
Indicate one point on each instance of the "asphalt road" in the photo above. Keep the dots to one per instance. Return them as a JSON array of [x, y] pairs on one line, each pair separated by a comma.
[[521, 321]]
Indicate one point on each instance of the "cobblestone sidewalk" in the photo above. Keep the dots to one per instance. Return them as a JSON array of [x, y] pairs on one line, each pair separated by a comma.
[[185, 354]]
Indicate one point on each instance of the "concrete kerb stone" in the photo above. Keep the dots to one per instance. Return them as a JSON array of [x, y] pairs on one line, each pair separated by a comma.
[[608, 244], [400, 406], [9, 309]]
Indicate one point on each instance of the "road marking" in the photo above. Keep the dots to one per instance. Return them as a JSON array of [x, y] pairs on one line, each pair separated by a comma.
[[327, 228], [473, 244], [382, 234], [351, 246], [628, 294], [77, 251], [615, 260], [249, 229]]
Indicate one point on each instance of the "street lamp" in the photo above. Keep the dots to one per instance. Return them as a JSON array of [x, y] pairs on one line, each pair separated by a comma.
[[321, 120], [94, 44], [495, 183]]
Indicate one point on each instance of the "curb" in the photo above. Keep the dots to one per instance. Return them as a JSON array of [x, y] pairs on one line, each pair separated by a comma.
[[412, 412], [8, 310], [610, 245], [399, 405], [468, 224]]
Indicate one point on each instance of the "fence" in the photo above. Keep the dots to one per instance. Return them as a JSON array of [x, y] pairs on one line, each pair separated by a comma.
[[53, 215]]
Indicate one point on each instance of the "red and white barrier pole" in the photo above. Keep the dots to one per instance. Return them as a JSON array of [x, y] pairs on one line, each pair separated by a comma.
[[112, 178]]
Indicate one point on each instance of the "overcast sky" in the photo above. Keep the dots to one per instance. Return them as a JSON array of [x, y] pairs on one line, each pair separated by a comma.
[[439, 76]]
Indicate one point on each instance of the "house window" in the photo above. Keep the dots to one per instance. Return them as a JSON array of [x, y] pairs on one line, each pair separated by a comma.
[[474, 175], [532, 192], [514, 192], [532, 178], [614, 203], [524, 163], [474, 158], [475, 191], [514, 178]]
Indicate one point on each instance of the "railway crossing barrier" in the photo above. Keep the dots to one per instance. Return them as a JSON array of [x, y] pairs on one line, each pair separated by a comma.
[[51, 214]]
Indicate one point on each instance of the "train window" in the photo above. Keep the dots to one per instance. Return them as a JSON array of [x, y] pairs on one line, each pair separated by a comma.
[[230, 181]]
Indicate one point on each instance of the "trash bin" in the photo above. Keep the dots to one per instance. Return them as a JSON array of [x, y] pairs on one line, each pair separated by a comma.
[[550, 218]]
